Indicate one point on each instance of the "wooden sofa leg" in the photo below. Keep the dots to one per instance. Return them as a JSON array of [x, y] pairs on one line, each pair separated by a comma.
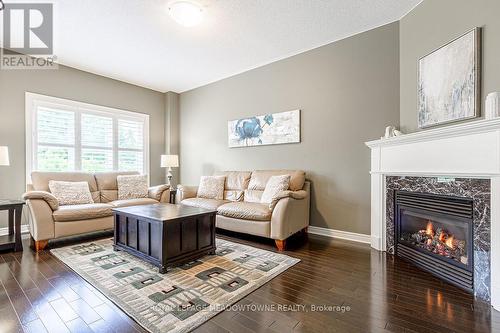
[[39, 245], [280, 244]]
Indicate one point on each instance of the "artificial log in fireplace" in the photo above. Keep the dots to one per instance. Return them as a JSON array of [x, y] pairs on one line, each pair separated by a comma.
[[435, 233]]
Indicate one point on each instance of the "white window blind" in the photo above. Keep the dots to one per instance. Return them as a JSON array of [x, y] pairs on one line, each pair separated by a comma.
[[64, 135]]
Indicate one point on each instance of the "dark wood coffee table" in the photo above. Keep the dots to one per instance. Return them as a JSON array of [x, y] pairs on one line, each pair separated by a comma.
[[165, 235]]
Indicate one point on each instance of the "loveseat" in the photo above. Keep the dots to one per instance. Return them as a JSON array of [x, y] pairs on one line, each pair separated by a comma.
[[241, 209], [48, 220]]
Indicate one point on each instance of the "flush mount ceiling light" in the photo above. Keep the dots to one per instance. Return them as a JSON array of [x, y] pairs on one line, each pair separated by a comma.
[[186, 13]]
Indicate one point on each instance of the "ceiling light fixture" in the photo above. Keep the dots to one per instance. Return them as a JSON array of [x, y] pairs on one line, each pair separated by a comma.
[[186, 13]]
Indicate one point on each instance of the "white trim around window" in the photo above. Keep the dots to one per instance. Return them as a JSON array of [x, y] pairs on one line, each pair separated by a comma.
[[36, 101]]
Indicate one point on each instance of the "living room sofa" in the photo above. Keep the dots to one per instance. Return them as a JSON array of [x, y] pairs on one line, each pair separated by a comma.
[[48, 220], [241, 209]]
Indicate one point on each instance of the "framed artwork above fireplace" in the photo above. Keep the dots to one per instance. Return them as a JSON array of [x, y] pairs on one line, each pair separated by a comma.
[[449, 82]]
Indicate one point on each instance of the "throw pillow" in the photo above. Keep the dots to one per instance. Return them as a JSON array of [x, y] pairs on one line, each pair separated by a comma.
[[132, 186], [274, 186], [71, 193], [211, 187]]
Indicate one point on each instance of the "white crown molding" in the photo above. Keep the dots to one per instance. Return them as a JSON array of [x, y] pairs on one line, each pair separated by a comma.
[[332, 233], [473, 127]]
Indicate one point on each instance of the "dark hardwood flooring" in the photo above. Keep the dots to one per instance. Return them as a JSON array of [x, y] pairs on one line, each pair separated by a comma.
[[371, 292]]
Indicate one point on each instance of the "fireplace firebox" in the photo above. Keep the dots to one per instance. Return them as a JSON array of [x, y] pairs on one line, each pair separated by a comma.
[[435, 233]]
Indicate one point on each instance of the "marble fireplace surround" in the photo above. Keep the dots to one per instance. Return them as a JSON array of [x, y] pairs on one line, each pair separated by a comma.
[[476, 189], [467, 152]]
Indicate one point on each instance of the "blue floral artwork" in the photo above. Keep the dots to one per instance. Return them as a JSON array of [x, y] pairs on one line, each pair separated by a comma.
[[269, 129]]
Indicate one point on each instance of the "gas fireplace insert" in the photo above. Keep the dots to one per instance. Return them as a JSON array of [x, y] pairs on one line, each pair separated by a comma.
[[435, 233]]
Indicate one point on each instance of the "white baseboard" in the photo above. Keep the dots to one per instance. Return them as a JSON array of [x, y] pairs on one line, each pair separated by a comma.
[[5, 231], [352, 236]]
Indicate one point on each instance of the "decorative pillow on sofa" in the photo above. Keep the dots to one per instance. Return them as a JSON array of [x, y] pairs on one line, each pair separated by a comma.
[[132, 186], [274, 186], [71, 193], [211, 187]]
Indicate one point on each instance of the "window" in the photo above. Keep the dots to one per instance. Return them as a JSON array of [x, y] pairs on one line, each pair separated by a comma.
[[64, 135]]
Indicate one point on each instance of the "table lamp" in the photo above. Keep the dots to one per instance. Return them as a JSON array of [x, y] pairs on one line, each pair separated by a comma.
[[169, 161]]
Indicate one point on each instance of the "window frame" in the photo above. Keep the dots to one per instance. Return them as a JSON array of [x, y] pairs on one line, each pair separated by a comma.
[[33, 101]]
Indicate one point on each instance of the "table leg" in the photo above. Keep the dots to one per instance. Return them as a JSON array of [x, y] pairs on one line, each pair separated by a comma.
[[11, 221], [19, 245]]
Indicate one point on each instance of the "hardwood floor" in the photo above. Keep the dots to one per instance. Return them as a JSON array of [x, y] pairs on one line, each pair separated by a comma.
[[366, 290]]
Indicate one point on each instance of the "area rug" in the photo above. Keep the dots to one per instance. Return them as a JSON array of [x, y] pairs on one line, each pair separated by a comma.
[[183, 298]]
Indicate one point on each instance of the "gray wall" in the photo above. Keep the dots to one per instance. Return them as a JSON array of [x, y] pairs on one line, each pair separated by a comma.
[[348, 92], [172, 130], [76, 85], [434, 23]]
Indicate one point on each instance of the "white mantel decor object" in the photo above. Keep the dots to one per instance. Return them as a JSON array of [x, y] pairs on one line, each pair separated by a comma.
[[4, 156], [391, 131], [492, 105], [169, 161]]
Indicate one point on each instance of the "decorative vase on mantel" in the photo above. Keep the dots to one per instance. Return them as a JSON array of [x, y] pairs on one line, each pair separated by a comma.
[[492, 105]]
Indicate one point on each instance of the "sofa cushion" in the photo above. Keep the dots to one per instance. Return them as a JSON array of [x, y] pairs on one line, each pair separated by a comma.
[[246, 210], [233, 195], [259, 178], [40, 181], [211, 187], [203, 203], [82, 212], [236, 183], [132, 186], [107, 180], [71, 193], [109, 195], [133, 202], [252, 195], [274, 186]]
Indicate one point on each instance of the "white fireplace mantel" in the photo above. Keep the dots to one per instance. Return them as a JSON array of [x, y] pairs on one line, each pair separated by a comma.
[[469, 150]]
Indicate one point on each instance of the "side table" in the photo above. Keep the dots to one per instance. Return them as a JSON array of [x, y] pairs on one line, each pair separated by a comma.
[[12, 241]]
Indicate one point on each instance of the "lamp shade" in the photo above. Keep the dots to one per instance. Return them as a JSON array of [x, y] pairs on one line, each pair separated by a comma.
[[169, 161], [4, 155]]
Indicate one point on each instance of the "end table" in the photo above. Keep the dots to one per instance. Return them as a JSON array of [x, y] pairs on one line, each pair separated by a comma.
[[12, 241]]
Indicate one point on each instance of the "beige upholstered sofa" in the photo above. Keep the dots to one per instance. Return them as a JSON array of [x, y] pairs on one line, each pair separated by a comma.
[[48, 220], [241, 210]]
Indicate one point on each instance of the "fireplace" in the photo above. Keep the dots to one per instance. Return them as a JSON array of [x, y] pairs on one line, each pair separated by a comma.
[[435, 232]]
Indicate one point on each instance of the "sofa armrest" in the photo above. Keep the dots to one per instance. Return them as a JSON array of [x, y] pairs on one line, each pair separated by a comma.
[[185, 192], [40, 219], [42, 195], [157, 192], [297, 195], [291, 213]]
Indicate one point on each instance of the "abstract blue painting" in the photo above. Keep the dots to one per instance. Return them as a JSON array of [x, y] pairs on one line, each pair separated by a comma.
[[269, 129]]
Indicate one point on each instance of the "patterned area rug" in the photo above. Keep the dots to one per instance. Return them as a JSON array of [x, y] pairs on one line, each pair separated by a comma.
[[186, 296]]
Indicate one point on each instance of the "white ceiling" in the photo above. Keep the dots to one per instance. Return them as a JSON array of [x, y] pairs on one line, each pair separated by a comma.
[[136, 40]]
